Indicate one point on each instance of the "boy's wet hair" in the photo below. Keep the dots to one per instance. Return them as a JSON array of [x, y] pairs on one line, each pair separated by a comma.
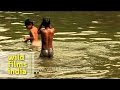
[[46, 22], [28, 22]]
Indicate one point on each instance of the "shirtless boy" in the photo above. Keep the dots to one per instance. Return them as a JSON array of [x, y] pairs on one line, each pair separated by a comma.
[[33, 33], [47, 34]]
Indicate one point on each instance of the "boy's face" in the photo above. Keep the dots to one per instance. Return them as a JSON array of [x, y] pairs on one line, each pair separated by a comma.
[[29, 26]]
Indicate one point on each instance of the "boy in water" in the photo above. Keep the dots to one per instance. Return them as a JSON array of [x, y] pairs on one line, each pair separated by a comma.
[[47, 34], [33, 33]]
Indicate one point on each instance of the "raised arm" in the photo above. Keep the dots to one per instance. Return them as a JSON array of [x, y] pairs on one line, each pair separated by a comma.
[[39, 29]]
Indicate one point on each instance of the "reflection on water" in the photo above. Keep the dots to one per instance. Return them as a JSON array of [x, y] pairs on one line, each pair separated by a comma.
[[86, 44], [79, 28], [10, 18], [2, 29], [2, 25], [64, 33], [17, 23], [72, 38], [3, 37], [27, 13], [101, 39], [9, 12], [18, 32], [91, 27], [95, 22]]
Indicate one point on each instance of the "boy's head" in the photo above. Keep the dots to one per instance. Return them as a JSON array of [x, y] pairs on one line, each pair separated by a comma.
[[28, 24], [46, 22]]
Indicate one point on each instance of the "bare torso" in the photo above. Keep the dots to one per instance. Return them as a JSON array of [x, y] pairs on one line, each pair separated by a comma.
[[34, 34], [47, 38]]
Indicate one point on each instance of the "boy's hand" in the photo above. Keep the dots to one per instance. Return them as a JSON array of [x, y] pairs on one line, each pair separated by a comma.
[[26, 38]]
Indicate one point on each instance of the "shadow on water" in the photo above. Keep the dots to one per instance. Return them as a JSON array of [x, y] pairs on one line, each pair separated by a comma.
[[86, 44]]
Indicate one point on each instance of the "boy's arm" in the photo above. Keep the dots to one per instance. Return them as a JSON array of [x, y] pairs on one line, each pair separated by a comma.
[[39, 29], [31, 37], [28, 38]]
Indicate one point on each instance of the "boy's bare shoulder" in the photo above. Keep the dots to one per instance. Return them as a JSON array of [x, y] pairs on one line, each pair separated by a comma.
[[42, 29], [53, 29], [36, 28]]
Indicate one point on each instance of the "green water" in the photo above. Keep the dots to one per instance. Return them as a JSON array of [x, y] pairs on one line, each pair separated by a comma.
[[86, 44]]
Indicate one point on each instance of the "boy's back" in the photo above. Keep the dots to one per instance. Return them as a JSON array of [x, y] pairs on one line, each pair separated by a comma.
[[47, 38]]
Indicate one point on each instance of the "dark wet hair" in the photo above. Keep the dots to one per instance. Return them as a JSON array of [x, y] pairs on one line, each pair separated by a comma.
[[46, 22], [28, 22]]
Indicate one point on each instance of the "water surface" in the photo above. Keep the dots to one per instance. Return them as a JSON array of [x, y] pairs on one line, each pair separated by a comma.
[[86, 44]]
